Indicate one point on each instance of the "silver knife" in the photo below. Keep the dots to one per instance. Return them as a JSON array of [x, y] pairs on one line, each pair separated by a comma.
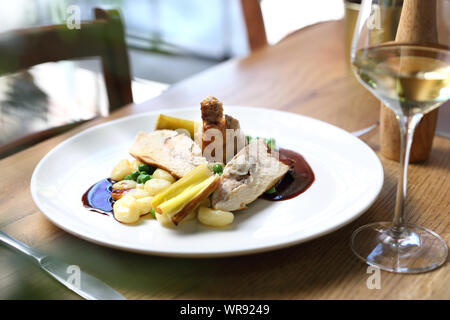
[[365, 130], [71, 276]]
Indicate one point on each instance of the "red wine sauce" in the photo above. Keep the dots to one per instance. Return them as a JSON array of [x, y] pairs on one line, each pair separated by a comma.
[[296, 181], [98, 197]]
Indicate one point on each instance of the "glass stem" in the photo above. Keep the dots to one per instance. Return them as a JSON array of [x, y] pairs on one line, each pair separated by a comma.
[[407, 126]]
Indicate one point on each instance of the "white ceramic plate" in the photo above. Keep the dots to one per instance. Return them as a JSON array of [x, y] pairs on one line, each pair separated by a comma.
[[348, 175]]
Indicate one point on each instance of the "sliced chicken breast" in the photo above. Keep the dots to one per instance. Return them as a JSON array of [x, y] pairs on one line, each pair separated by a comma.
[[254, 170], [168, 150]]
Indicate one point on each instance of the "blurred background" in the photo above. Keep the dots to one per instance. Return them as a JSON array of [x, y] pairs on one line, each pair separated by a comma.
[[166, 40]]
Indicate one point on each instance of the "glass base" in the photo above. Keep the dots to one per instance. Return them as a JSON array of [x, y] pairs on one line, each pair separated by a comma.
[[411, 249]]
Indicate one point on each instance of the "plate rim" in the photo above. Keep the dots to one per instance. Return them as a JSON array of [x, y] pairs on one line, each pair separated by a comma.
[[234, 252]]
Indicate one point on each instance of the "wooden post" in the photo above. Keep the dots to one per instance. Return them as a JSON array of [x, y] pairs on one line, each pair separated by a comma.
[[254, 22], [417, 26]]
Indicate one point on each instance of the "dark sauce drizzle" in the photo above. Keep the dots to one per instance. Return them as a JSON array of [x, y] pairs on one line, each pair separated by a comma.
[[98, 197], [296, 181]]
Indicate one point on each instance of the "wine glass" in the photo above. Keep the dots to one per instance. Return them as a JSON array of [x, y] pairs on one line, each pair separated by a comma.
[[405, 63]]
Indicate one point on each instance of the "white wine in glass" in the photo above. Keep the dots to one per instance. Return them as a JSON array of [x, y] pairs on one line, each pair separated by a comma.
[[411, 79]]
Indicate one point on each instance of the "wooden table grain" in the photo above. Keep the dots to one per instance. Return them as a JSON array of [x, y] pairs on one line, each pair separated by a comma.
[[306, 74]]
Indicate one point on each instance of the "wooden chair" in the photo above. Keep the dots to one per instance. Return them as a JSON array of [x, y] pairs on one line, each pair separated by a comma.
[[103, 37], [256, 32]]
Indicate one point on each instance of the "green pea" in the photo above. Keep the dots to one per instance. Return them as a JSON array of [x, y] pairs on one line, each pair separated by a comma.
[[217, 168], [271, 190], [143, 178], [143, 167], [128, 177], [152, 212], [134, 175]]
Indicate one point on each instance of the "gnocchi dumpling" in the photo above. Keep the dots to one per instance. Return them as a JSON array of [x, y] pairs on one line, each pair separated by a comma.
[[155, 186], [164, 175], [122, 169], [138, 193], [214, 218], [124, 184], [135, 164], [144, 205], [126, 209], [132, 205]]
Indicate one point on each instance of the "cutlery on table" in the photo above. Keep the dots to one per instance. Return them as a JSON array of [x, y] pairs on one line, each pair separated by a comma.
[[86, 286], [361, 132]]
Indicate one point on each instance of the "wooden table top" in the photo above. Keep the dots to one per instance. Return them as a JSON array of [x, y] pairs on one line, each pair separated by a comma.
[[305, 73]]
